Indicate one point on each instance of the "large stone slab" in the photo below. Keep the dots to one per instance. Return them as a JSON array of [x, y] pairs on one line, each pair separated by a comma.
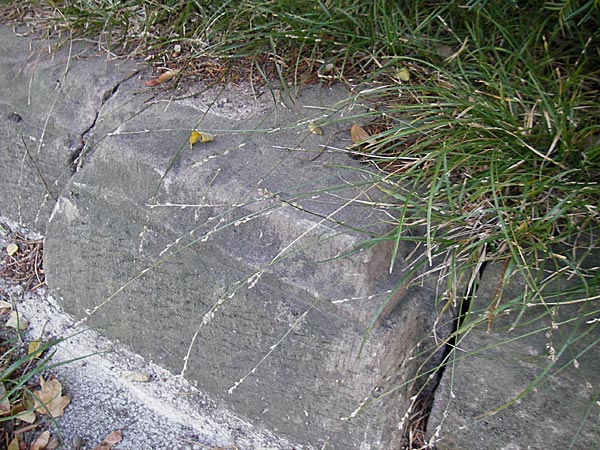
[[229, 267], [49, 98], [496, 368]]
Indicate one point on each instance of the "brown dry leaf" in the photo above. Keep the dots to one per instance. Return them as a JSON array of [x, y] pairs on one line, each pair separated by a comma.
[[162, 78], [28, 417], [49, 399], [139, 377], [41, 442], [17, 321], [53, 444], [113, 438], [5, 306], [315, 129], [23, 412], [360, 135]]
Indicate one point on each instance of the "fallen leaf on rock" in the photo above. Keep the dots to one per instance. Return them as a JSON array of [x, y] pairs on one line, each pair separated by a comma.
[[4, 305], [315, 129], [200, 136], [17, 321], [113, 438], [11, 249], [130, 375], [162, 78], [360, 135], [50, 399], [41, 442]]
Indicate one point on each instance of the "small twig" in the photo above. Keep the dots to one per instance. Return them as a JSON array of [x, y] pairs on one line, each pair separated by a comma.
[[39, 173], [25, 429]]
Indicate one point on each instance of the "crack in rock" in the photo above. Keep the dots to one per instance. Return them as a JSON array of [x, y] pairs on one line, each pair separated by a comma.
[[80, 153], [438, 364]]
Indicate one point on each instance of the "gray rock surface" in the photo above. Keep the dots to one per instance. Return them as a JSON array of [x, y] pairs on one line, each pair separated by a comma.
[[489, 370], [166, 412], [49, 102], [225, 262], [237, 260]]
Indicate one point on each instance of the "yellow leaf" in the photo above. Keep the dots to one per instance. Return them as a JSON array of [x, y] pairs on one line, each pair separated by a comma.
[[34, 347], [403, 74], [12, 248], [522, 227], [315, 129], [17, 321], [200, 136], [14, 444], [360, 135], [162, 78], [50, 399], [41, 442], [113, 438]]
